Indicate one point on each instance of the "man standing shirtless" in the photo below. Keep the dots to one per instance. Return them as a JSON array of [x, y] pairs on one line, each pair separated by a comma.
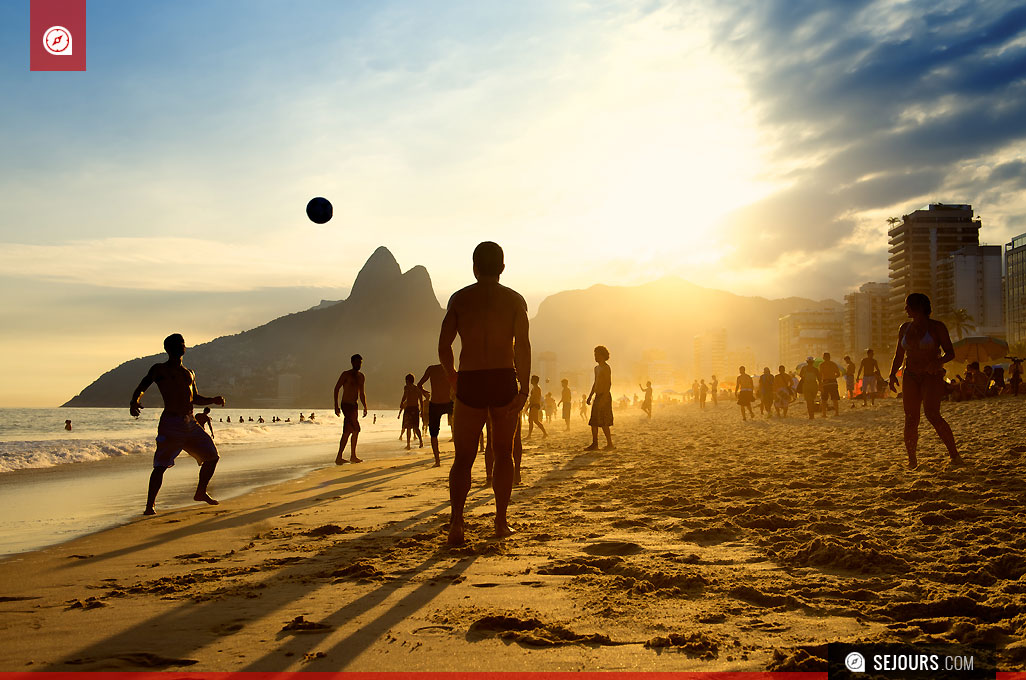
[[351, 384], [441, 403], [868, 369], [491, 321], [177, 430]]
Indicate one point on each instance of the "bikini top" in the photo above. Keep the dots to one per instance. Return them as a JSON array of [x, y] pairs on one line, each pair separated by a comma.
[[925, 342]]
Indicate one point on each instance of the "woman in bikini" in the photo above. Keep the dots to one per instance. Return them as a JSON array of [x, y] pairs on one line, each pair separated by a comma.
[[925, 346]]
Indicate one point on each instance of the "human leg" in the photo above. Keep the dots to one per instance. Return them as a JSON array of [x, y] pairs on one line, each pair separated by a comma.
[[156, 479], [503, 431], [594, 439], [933, 391], [340, 458], [205, 473], [466, 429], [911, 400]]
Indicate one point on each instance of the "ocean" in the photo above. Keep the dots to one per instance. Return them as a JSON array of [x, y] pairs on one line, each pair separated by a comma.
[[56, 485]]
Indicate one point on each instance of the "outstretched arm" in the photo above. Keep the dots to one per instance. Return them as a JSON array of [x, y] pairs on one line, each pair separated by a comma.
[[200, 400], [134, 407]]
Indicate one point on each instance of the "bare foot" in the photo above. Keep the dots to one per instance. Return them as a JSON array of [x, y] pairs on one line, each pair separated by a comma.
[[593, 447], [437, 464], [516, 478], [913, 462], [609, 447], [339, 460], [205, 498], [354, 459], [149, 511], [456, 536], [956, 461], [407, 447], [502, 530]]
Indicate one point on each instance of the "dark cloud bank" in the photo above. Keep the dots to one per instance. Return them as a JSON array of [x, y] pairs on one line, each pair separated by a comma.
[[893, 102]]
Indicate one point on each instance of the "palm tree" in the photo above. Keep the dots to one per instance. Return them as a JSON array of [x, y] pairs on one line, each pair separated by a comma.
[[891, 221], [960, 323]]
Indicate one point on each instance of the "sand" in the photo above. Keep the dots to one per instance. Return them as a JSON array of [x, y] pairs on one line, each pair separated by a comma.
[[702, 543]]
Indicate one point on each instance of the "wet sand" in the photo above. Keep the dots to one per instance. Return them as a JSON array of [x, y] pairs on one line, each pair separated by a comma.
[[702, 543]]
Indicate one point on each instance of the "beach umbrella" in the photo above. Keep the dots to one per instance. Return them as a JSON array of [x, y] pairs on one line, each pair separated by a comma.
[[979, 348]]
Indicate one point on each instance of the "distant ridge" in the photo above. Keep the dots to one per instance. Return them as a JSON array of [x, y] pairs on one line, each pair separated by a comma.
[[390, 317]]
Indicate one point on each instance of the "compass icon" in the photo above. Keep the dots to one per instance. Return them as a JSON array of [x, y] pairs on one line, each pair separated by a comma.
[[57, 41]]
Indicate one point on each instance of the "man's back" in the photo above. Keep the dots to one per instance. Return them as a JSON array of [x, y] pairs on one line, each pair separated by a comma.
[[439, 384], [828, 370], [486, 313]]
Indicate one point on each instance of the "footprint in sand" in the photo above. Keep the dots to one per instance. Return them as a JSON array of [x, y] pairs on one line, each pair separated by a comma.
[[607, 548]]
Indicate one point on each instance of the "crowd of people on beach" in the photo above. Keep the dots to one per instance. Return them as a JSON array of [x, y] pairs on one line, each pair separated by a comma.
[[494, 395]]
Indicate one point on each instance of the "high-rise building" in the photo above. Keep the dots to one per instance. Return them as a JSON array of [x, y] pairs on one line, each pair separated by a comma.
[[919, 244], [866, 320], [1015, 291], [970, 279], [810, 333], [711, 354]]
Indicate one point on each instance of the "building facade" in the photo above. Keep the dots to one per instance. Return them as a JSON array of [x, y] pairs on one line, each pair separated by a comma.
[[919, 244], [711, 355], [810, 333], [970, 279], [1015, 291], [866, 319]]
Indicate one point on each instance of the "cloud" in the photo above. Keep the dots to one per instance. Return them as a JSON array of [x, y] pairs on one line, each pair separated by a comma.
[[879, 106]]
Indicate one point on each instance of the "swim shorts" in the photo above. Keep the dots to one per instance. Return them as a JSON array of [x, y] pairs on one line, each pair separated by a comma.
[[830, 391], [182, 433], [486, 388], [435, 413], [602, 410], [411, 417], [869, 384], [350, 417]]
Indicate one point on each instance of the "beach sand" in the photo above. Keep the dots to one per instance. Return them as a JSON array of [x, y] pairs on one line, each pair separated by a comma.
[[702, 543]]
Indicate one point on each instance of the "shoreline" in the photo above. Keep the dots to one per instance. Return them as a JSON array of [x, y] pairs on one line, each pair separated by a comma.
[[702, 543], [33, 500]]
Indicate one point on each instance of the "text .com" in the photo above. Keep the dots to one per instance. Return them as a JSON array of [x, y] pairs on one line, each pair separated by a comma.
[[856, 662]]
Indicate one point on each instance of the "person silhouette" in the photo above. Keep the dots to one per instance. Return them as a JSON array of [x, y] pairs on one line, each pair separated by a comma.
[[923, 347], [177, 429], [351, 384], [495, 357]]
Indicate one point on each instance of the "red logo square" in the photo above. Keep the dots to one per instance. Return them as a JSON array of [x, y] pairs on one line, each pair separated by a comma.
[[58, 35]]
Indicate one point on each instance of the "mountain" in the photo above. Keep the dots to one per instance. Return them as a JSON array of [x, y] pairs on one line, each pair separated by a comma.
[[391, 318], [655, 323]]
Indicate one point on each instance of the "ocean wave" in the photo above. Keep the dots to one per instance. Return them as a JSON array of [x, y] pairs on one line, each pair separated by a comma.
[[42, 454]]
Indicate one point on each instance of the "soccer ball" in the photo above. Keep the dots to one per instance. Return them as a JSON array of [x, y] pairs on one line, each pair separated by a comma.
[[318, 210]]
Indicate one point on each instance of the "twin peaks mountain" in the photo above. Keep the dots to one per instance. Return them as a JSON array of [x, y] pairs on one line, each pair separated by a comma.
[[392, 319]]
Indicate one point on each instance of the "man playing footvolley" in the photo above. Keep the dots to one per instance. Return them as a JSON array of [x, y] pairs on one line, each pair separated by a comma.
[[351, 384], [177, 430], [441, 403], [491, 321]]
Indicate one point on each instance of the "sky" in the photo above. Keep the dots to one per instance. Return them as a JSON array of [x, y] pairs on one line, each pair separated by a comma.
[[755, 146]]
